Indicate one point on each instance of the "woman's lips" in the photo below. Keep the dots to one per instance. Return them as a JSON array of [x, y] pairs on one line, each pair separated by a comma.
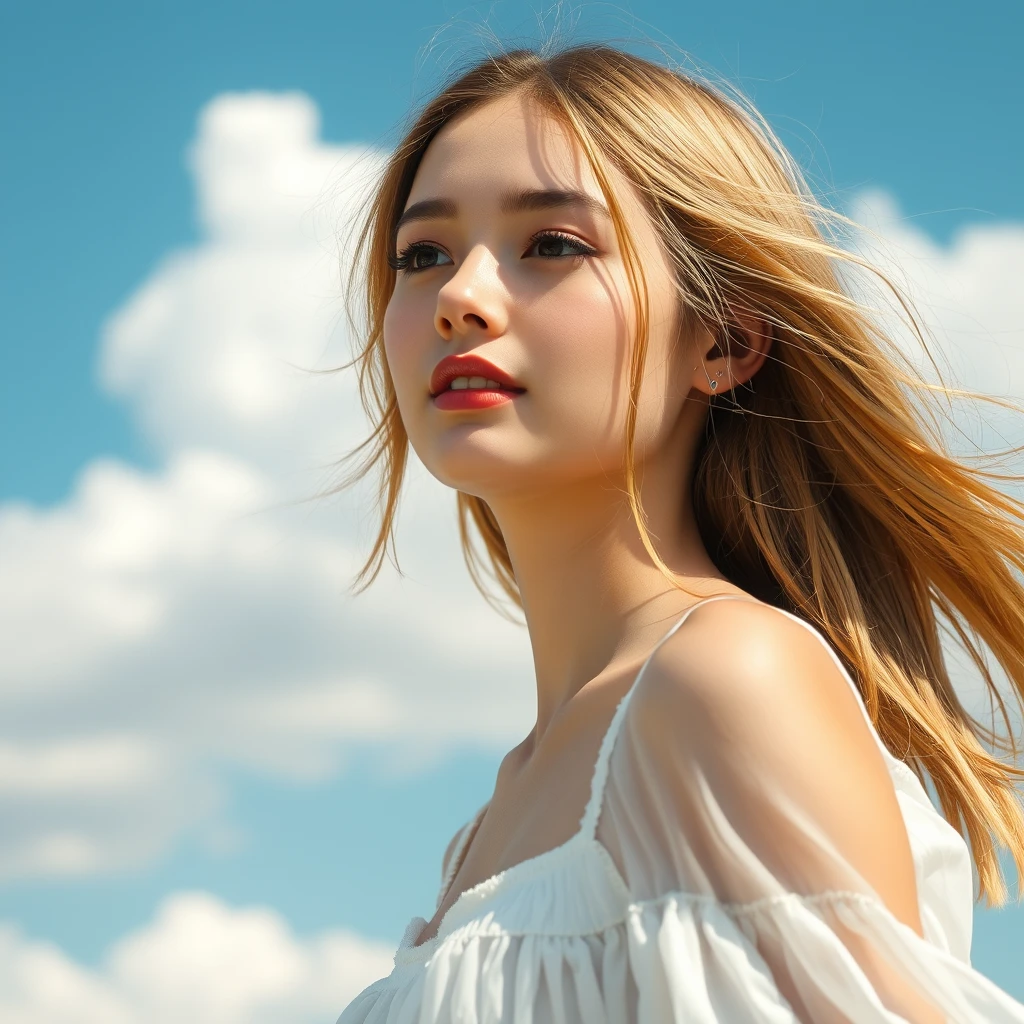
[[469, 366], [467, 381], [472, 398]]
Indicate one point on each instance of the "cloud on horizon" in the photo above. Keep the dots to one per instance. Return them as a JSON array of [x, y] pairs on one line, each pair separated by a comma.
[[199, 960]]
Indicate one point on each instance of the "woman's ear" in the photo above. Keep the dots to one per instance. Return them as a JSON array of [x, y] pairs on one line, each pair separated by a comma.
[[731, 355]]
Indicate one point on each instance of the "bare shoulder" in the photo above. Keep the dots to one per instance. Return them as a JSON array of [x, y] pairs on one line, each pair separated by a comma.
[[742, 662], [755, 704]]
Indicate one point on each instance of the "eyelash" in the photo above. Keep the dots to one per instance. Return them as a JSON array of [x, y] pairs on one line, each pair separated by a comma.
[[402, 261]]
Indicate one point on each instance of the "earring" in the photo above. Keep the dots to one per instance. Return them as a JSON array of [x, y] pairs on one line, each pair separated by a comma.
[[713, 384]]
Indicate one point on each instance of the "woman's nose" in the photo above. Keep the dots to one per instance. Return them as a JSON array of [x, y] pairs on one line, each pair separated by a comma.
[[473, 298]]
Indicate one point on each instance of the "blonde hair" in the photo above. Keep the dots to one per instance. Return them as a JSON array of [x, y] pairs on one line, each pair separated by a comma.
[[821, 489]]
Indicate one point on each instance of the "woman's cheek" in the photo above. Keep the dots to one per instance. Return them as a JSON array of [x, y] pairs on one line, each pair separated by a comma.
[[400, 352], [588, 359]]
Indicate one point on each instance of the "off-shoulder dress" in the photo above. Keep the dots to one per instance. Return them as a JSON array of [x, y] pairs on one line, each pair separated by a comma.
[[723, 904]]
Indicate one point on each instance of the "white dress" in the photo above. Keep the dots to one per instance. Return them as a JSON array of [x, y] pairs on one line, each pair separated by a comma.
[[696, 891]]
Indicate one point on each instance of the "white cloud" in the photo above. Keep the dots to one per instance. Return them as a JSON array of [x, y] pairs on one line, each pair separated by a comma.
[[199, 961], [969, 296], [158, 627]]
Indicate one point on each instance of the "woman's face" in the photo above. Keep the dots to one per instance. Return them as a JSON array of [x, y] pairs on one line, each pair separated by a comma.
[[498, 268]]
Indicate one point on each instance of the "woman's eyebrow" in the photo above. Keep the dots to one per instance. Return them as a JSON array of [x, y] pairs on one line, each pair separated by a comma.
[[511, 201]]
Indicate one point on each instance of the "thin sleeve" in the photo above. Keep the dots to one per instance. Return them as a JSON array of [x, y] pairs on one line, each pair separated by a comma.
[[750, 811]]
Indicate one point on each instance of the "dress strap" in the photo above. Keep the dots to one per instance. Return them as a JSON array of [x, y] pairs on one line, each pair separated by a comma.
[[588, 823], [465, 834]]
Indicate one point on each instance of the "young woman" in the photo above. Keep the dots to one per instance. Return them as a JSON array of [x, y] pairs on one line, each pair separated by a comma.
[[604, 308]]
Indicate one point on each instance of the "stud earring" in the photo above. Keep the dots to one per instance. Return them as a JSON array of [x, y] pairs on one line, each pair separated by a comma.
[[713, 384]]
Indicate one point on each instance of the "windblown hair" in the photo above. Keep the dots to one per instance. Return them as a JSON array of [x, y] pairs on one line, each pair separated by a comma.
[[825, 489]]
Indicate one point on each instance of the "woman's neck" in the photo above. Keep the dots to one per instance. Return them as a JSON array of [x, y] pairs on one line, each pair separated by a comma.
[[592, 597]]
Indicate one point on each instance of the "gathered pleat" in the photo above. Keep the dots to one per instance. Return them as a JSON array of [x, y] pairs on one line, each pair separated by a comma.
[[686, 959]]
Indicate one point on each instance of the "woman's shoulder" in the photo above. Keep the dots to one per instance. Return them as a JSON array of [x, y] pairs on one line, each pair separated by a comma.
[[750, 693], [742, 657], [746, 717]]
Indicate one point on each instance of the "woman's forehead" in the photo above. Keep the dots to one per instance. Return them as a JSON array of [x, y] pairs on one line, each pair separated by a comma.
[[511, 141]]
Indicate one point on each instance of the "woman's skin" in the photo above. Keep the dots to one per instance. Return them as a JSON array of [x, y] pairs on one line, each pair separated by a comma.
[[548, 463]]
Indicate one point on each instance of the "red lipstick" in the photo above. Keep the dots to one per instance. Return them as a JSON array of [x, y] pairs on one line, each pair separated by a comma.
[[483, 384]]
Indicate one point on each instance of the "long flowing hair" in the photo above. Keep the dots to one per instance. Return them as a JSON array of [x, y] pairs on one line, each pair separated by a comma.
[[825, 488]]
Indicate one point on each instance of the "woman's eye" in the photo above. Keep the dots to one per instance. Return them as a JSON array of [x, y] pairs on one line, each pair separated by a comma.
[[548, 244], [417, 256]]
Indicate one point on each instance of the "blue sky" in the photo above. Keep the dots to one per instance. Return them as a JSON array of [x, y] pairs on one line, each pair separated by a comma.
[[100, 101], [916, 104]]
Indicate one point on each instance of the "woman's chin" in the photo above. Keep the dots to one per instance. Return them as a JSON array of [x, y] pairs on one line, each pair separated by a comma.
[[482, 478], [483, 485], [473, 463]]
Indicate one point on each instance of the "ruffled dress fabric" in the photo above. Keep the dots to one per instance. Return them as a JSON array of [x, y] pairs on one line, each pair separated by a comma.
[[698, 889]]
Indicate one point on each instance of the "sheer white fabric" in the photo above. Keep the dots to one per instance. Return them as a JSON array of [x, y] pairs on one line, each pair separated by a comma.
[[699, 888]]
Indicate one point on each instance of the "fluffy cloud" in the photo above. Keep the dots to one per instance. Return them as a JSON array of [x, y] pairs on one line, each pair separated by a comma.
[[199, 961], [158, 627], [970, 303]]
